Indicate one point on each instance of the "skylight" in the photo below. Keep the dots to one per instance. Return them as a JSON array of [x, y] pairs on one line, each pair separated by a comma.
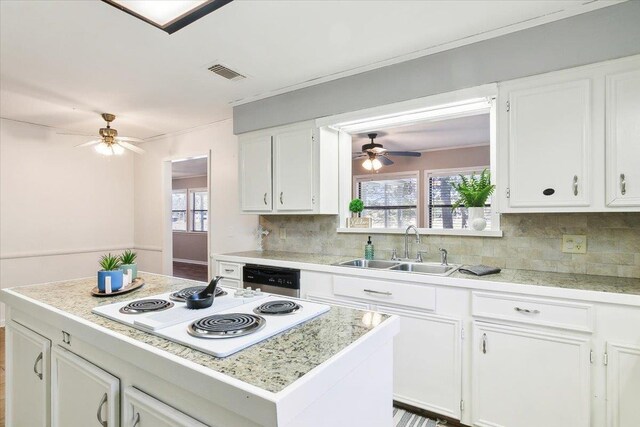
[[168, 15]]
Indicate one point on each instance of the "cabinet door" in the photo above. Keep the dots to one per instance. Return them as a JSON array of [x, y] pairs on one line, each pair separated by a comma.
[[549, 145], [28, 377], [294, 170], [142, 410], [527, 378], [623, 385], [81, 393], [255, 174], [623, 139], [427, 362]]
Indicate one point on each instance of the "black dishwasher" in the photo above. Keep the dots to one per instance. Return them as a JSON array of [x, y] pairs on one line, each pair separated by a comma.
[[274, 280]]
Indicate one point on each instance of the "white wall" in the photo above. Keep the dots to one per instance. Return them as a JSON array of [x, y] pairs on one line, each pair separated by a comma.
[[60, 207], [230, 231]]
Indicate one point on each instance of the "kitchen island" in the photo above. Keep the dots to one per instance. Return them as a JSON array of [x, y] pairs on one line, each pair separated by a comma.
[[335, 369]]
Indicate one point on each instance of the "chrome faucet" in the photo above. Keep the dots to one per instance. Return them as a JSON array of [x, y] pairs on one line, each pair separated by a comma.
[[443, 257], [406, 242]]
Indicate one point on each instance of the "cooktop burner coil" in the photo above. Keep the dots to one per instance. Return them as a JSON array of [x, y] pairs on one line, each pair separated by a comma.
[[226, 325], [146, 306], [279, 307]]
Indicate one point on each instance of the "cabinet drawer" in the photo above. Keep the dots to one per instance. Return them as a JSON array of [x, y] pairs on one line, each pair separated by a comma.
[[422, 297], [230, 270], [537, 311], [229, 283]]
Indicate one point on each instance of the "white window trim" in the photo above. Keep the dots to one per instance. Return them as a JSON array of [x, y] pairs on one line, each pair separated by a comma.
[[388, 176], [186, 212], [190, 208], [495, 217]]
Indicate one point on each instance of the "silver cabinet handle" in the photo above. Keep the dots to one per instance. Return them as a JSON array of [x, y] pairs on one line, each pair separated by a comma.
[[484, 343], [228, 270], [526, 310], [103, 401], [623, 185], [265, 198], [575, 185], [66, 337], [137, 421], [370, 291], [281, 198], [35, 366]]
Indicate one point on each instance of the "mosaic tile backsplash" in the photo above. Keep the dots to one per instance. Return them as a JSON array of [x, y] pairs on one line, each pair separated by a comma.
[[530, 242]]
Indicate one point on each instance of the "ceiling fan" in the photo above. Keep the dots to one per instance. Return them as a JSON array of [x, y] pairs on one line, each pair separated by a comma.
[[376, 155], [109, 143]]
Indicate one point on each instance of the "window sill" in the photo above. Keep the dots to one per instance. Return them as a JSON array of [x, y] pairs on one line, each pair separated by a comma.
[[426, 231]]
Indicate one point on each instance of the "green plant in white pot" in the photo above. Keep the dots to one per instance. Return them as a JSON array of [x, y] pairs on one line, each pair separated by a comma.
[[128, 263], [474, 192], [110, 277]]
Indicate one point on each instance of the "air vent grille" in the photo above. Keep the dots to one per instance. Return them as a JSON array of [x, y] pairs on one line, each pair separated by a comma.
[[225, 72]]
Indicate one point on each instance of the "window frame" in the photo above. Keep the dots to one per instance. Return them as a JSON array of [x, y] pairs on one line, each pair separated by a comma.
[[191, 210], [495, 221], [185, 191], [390, 176]]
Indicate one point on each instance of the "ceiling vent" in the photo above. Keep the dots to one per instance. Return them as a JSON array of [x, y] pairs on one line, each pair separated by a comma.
[[225, 72]]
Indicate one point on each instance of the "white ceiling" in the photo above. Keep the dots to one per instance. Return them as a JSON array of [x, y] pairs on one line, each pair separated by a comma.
[[451, 133], [64, 62], [189, 168]]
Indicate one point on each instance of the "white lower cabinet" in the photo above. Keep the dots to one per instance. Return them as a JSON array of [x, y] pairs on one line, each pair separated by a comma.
[[427, 361], [142, 410], [82, 394], [529, 378], [28, 377], [337, 301], [623, 385]]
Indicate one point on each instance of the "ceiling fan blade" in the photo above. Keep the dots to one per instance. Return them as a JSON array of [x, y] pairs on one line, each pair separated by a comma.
[[77, 134], [87, 144], [131, 147], [385, 160], [128, 138], [404, 153]]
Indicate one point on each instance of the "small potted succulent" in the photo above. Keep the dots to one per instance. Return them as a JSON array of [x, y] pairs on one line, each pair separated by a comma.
[[110, 268], [128, 262], [356, 206], [474, 192]]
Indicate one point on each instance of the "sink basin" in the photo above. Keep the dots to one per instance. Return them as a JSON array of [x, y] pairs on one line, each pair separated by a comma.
[[434, 269], [366, 263]]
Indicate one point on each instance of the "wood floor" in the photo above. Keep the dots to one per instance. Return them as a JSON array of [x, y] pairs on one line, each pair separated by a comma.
[[190, 271]]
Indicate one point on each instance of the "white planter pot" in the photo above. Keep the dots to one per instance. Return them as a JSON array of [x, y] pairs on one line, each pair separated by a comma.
[[476, 219]]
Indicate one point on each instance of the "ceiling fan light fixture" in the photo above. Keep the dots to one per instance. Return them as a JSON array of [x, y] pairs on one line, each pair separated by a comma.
[[109, 150], [367, 164], [376, 164]]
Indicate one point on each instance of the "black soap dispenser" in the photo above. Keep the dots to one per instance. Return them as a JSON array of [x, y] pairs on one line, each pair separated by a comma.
[[368, 249]]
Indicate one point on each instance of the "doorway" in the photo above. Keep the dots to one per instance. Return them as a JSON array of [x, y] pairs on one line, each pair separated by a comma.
[[190, 218]]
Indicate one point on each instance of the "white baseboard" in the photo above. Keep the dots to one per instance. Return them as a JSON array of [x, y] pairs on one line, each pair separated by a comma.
[[190, 261]]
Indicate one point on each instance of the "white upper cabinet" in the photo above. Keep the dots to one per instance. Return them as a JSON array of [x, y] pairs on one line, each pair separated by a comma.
[[289, 170], [568, 140], [255, 174], [549, 144], [294, 170], [623, 138]]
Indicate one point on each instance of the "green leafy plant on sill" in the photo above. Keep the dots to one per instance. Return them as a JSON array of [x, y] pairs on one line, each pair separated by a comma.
[[128, 257], [473, 191], [109, 262], [356, 206]]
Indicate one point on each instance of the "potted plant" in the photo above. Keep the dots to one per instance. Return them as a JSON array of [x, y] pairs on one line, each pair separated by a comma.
[[474, 192], [356, 206], [128, 263], [110, 268]]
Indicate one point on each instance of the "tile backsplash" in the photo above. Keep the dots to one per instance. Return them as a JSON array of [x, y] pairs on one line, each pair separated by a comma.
[[530, 242]]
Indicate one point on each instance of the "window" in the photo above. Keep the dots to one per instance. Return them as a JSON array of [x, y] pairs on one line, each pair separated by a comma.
[[391, 200], [179, 210], [441, 196], [199, 209]]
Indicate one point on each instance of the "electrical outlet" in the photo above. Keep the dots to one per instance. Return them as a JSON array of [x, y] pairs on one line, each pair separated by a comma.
[[283, 233], [574, 244]]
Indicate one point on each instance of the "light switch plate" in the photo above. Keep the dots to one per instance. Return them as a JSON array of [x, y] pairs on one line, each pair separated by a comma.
[[574, 244]]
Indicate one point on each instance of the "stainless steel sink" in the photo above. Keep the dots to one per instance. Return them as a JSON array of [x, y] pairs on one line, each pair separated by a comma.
[[366, 263], [434, 269], [408, 267]]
